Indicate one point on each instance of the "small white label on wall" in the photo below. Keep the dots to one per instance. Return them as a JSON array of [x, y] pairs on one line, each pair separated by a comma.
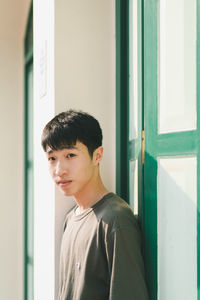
[[43, 70]]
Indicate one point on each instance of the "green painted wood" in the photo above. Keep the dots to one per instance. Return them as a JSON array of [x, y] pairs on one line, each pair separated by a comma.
[[28, 159], [150, 127], [28, 41], [29, 184], [121, 98], [198, 147], [29, 55], [182, 142]]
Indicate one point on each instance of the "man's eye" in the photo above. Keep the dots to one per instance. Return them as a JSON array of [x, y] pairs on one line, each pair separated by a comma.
[[70, 155], [51, 158]]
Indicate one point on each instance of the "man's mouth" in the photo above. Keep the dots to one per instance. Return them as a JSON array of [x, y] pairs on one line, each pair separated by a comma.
[[64, 183]]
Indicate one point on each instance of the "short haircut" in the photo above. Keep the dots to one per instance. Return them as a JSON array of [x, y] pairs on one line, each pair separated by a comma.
[[65, 129]]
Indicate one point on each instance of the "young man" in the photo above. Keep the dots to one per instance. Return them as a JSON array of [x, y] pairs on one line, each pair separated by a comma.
[[101, 246]]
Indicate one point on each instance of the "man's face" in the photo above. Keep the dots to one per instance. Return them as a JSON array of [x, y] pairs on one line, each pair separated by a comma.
[[73, 170]]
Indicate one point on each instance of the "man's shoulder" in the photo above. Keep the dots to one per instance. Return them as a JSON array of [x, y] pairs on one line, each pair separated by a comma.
[[113, 204], [116, 211]]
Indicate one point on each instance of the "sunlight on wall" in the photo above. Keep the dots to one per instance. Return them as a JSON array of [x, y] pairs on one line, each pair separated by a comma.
[[44, 195]]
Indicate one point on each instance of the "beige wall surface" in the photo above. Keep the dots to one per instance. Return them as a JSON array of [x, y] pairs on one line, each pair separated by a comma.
[[11, 175], [85, 79], [13, 17]]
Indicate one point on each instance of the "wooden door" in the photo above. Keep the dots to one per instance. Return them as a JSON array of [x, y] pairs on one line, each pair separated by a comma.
[[172, 148]]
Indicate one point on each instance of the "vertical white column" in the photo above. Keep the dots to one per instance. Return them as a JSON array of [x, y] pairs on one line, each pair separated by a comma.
[[44, 195]]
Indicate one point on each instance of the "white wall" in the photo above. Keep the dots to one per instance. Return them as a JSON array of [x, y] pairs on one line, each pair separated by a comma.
[[85, 78], [12, 28], [44, 212], [85, 67]]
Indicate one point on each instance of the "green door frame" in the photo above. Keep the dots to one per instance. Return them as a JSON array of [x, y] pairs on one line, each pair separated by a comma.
[[122, 63], [28, 166], [160, 145], [127, 150], [172, 144]]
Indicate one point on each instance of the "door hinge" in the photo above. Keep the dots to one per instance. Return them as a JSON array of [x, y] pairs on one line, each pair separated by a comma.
[[143, 144]]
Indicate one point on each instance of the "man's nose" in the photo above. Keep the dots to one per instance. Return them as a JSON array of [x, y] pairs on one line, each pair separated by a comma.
[[60, 169]]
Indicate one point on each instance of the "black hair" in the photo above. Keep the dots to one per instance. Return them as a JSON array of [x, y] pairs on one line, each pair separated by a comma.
[[65, 129]]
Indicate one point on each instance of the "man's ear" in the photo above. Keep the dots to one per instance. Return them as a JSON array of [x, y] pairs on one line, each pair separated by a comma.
[[97, 155]]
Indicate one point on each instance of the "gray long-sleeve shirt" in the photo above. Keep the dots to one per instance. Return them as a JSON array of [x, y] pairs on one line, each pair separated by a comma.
[[101, 254]]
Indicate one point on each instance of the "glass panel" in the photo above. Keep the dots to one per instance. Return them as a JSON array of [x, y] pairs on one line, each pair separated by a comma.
[[177, 65], [133, 185], [133, 69], [177, 228]]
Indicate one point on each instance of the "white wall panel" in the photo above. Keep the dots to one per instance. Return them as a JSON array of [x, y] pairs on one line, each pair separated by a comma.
[[177, 228], [133, 185], [177, 65], [133, 69], [44, 194]]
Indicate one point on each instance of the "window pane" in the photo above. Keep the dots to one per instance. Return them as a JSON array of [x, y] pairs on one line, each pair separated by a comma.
[[177, 65], [133, 185], [177, 228], [133, 69]]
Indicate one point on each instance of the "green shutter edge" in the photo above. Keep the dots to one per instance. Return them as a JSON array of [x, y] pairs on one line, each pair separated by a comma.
[[121, 97], [28, 59], [181, 143], [150, 166], [198, 156]]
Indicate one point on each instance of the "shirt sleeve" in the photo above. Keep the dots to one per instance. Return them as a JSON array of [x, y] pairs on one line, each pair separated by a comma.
[[127, 276]]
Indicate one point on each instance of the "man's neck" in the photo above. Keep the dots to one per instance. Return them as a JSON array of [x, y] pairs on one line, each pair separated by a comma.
[[90, 196]]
